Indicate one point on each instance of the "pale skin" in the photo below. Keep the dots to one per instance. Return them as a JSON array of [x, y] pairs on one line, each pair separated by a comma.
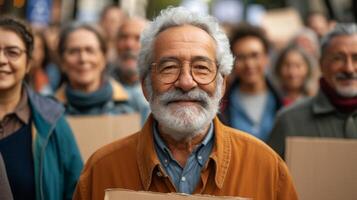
[[293, 73], [11, 73], [84, 67], [8, 101], [128, 39], [250, 70], [183, 42], [340, 47]]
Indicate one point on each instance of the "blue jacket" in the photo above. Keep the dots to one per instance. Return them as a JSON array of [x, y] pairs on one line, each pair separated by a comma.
[[234, 115], [56, 156]]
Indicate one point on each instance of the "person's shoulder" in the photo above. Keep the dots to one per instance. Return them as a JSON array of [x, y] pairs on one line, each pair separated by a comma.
[[300, 108], [249, 143], [119, 93], [47, 106], [117, 150]]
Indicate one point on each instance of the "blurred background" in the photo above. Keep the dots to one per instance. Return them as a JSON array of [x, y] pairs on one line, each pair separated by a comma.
[[44, 12], [284, 21]]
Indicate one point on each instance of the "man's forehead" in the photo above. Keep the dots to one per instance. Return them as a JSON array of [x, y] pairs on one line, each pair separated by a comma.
[[184, 41], [341, 41]]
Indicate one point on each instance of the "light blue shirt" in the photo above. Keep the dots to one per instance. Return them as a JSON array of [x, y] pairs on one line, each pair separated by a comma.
[[240, 119], [184, 179]]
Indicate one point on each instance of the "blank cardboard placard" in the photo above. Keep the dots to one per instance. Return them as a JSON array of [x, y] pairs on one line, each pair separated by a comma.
[[122, 194], [323, 168], [93, 132], [281, 25]]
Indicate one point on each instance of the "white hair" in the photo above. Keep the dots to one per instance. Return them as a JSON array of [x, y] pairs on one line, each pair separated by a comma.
[[340, 29], [178, 16]]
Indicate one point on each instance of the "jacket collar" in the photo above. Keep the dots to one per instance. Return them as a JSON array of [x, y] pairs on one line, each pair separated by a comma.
[[221, 153], [226, 101], [321, 104], [47, 109], [119, 93]]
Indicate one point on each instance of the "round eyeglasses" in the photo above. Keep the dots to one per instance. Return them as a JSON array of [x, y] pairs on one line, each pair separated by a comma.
[[12, 53], [203, 71]]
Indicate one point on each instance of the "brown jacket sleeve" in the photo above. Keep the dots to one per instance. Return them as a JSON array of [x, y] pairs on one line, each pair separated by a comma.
[[82, 192], [285, 187]]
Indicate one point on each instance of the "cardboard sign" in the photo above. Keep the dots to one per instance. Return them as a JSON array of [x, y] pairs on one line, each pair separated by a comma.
[[122, 194], [281, 25], [323, 168], [93, 132]]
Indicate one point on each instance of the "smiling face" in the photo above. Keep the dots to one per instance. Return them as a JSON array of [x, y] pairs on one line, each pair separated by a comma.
[[293, 72], [12, 70], [184, 108], [128, 45], [339, 65], [83, 59], [251, 59]]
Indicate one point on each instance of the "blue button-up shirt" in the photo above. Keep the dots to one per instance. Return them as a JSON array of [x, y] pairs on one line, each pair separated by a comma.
[[185, 179]]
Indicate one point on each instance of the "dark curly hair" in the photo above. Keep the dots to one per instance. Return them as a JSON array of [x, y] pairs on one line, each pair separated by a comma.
[[244, 30], [21, 29]]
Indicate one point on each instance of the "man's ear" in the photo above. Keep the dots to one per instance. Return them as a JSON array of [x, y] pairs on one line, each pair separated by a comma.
[[143, 88], [224, 85]]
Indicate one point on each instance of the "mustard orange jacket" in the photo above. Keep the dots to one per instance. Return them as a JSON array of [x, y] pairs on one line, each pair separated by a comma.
[[239, 165]]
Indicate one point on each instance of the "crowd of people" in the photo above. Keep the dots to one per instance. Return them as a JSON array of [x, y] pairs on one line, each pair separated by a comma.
[[210, 105]]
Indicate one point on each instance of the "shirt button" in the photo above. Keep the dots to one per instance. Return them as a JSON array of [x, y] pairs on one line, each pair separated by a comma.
[[166, 161], [159, 174], [183, 178], [199, 157]]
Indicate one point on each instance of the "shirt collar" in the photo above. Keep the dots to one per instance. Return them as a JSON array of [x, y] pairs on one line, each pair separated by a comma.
[[221, 152], [166, 151], [321, 104], [22, 109]]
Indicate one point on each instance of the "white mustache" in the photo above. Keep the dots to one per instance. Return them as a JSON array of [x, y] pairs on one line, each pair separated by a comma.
[[178, 95]]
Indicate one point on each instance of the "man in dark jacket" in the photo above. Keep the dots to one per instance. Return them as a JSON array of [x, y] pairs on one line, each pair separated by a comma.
[[333, 112]]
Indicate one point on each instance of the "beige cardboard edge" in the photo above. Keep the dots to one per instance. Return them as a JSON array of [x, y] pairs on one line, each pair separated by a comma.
[[323, 168], [107, 191]]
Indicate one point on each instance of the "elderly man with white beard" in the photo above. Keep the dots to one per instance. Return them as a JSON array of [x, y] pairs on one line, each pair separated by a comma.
[[333, 112], [183, 147]]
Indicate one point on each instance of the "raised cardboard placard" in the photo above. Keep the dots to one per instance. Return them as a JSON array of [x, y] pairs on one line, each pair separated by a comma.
[[323, 168], [122, 194], [93, 132], [281, 25]]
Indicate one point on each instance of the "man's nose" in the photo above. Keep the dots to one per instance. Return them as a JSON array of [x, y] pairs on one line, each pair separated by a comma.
[[350, 66], [131, 43], [83, 55], [185, 80]]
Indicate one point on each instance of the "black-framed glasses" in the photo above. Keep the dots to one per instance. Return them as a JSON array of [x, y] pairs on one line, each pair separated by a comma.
[[203, 70], [12, 53]]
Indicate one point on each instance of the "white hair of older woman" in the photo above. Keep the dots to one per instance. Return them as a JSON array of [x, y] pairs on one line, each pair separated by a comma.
[[177, 16]]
